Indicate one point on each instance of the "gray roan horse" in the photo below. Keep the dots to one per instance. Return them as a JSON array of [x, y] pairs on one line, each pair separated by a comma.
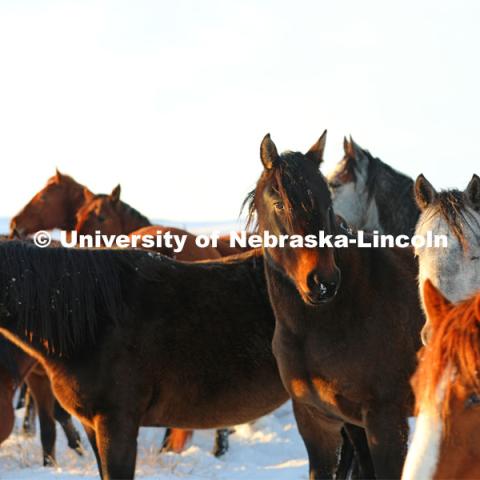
[[455, 270], [371, 195]]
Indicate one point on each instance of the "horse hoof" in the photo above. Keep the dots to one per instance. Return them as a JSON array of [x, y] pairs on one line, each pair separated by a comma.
[[220, 451], [48, 461], [221, 442], [79, 450]]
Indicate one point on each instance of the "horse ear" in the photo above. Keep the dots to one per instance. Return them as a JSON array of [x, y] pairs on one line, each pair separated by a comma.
[[472, 192], [436, 304], [268, 152], [87, 195], [115, 195], [348, 147], [58, 175], [425, 193], [316, 151]]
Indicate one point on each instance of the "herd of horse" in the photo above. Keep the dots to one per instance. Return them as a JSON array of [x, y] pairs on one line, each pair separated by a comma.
[[214, 337]]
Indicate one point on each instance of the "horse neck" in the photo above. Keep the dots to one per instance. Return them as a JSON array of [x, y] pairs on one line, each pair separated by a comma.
[[74, 199], [131, 220], [398, 212]]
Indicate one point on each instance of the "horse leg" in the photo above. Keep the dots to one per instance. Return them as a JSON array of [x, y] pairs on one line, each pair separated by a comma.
[[92, 438], [116, 437], [347, 461], [21, 397], [39, 387], [65, 420], [29, 424], [322, 439], [175, 440], [7, 419], [221, 442], [363, 465], [387, 434]]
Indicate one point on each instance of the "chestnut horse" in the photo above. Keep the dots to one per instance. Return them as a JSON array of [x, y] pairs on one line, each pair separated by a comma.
[[131, 338], [16, 367], [55, 206], [348, 320], [446, 443]]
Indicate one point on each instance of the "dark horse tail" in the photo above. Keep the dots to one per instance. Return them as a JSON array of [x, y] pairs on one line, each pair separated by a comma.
[[58, 298]]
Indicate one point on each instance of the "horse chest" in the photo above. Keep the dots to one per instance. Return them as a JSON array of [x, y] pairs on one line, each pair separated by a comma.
[[319, 377]]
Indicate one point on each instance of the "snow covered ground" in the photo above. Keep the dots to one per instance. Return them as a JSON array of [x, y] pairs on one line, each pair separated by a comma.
[[270, 449]]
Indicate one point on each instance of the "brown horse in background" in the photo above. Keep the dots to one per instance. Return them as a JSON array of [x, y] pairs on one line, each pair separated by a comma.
[[109, 215], [17, 367], [55, 206], [348, 320]]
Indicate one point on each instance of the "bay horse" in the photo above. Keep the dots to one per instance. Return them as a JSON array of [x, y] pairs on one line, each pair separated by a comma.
[[347, 320], [132, 338], [446, 442], [454, 269], [55, 206], [371, 195], [17, 367]]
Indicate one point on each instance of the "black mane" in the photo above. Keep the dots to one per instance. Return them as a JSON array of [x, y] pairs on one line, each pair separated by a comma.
[[58, 297], [393, 193]]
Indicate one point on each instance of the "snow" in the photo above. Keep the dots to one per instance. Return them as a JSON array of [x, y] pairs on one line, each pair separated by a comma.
[[269, 449]]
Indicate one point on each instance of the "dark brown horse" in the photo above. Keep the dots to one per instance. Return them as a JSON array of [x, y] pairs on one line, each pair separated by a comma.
[[347, 320], [129, 338], [16, 367], [55, 206]]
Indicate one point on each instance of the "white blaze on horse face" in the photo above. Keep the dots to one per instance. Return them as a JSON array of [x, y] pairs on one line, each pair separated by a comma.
[[453, 270], [422, 457], [424, 451]]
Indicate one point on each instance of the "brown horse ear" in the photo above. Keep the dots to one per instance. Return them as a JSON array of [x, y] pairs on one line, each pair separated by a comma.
[[348, 147], [425, 193], [436, 304], [87, 195], [316, 151], [472, 192], [268, 152], [58, 175], [115, 195]]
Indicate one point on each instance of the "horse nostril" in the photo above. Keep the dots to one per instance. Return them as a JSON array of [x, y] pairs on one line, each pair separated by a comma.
[[327, 289]]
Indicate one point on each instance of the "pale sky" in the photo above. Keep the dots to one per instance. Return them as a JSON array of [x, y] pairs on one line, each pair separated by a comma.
[[172, 98]]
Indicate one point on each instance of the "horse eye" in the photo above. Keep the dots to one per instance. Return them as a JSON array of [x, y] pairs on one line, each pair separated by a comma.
[[101, 218], [473, 400], [279, 206], [334, 185]]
